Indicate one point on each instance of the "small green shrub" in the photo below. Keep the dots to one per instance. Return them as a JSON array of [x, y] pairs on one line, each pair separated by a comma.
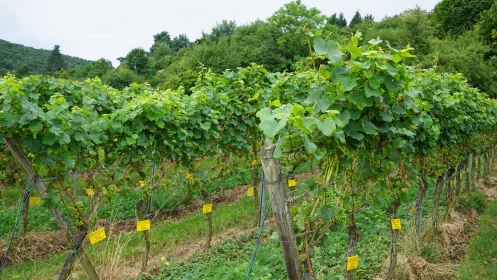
[[473, 200], [431, 254]]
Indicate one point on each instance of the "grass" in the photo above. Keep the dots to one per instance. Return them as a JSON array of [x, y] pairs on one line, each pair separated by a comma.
[[10, 196], [123, 205], [166, 238], [480, 261]]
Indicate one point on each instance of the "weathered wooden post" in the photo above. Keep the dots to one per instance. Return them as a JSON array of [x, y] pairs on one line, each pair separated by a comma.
[[468, 173], [74, 182], [275, 186], [34, 178]]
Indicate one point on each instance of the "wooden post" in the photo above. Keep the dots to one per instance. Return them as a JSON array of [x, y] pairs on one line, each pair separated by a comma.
[[460, 168], [35, 179], [25, 210], [141, 211], [468, 173], [486, 166], [473, 171], [77, 241], [422, 187], [436, 200], [256, 183], [478, 169], [75, 181], [392, 214], [272, 171], [449, 193], [208, 240], [40, 187]]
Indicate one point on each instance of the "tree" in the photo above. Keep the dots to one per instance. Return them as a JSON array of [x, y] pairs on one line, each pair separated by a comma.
[[21, 58], [162, 57], [487, 27], [55, 61], [136, 60], [223, 29], [294, 20], [356, 19], [162, 37], [121, 78], [23, 71], [99, 68], [257, 43], [339, 21], [180, 42], [456, 16], [159, 38], [464, 54], [369, 17], [411, 27]]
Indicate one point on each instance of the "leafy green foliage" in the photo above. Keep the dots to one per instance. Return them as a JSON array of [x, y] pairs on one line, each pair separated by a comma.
[[456, 16], [136, 60], [473, 200], [487, 27]]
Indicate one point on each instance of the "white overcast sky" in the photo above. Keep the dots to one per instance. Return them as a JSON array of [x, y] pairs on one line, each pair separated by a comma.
[[93, 29]]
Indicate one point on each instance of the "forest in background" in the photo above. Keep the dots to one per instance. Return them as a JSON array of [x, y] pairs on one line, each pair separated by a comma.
[[458, 36], [24, 61]]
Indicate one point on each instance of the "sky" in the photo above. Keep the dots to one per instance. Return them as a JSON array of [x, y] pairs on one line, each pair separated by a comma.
[[93, 29]]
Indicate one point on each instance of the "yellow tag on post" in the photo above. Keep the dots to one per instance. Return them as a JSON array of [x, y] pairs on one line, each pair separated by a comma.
[[90, 192], [143, 225], [33, 201], [352, 262], [142, 184], [97, 236], [207, 208], [189, 175], [292, 183], [396, 224], [250, 191]]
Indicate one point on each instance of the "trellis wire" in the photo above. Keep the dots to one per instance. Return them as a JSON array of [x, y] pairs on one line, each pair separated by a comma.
[[23, 204], [261, 228]]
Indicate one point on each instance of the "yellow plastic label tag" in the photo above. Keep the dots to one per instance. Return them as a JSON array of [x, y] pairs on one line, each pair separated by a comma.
[[396, 224], [352, 262], [189, 175], [207, 208], [254, 162], [90, 192], [143, 225], [250, 191], [97, 236], [466, 170], [292, 183], [34, 201], [142, 184]]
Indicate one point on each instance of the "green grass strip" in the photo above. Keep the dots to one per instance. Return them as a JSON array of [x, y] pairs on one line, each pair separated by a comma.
[[480, 261], [166, 238]]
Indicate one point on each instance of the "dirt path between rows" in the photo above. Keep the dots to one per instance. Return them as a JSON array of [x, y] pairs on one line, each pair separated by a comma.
[[452, 240]]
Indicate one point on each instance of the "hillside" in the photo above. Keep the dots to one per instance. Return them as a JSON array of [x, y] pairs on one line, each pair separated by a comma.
[[33, 61]]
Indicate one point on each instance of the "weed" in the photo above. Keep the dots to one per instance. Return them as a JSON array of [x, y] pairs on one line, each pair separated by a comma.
[[472, 200]]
